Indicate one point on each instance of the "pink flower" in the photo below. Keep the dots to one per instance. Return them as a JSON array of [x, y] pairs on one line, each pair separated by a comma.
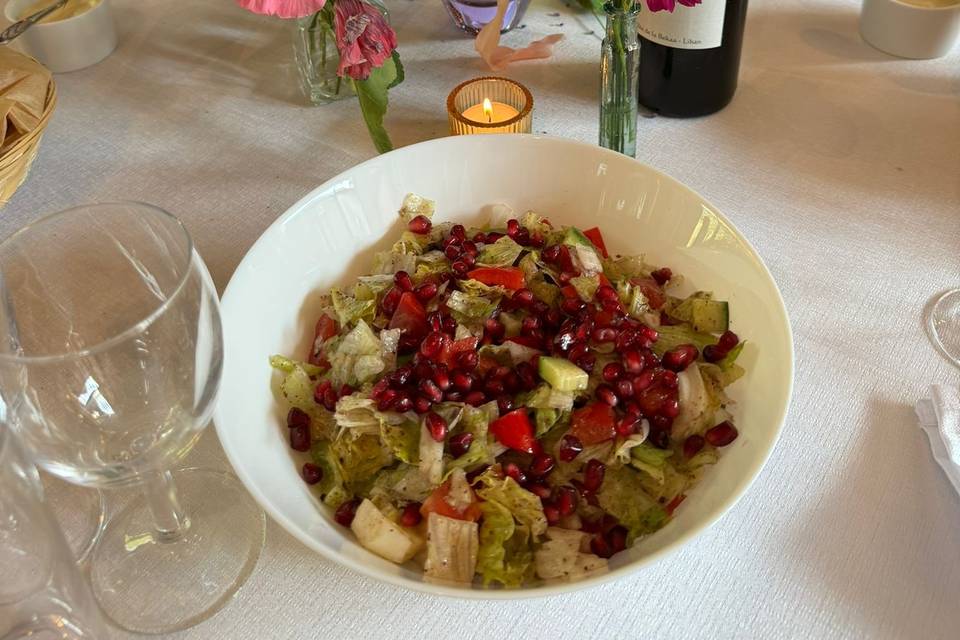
[[661, 5], [689, 3], [364, 38], [282, 8]]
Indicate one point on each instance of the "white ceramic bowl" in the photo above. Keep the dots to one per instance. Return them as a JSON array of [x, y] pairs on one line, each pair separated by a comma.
[[70, 44], [329, 236]]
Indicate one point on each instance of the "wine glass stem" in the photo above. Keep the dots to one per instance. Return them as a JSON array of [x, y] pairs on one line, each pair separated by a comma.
[[168, 517]]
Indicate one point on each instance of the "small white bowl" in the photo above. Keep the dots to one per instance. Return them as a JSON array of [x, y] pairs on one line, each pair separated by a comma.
[[919, 29], [69, 44], [327, 239]]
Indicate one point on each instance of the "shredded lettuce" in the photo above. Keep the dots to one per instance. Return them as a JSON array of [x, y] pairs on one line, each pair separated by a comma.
[[626, 267], [350, 310], [502, 253], [414, 205], [358, 357], [389, 262], [476, 420], [622, 495], [536, 223], [288, 365], [360, 457], [650, 460], [674, 335], [369, 287], [403, 440], [504, 554], [358, 412], [586, 286], [729, 361], [465, 307], [546, 397], [633, 300], [331, 487], [524, 506], [587, 259]]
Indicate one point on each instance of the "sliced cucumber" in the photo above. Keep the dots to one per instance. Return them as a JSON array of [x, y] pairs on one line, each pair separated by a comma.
[[574, 237], [562, 374], [711, 316]]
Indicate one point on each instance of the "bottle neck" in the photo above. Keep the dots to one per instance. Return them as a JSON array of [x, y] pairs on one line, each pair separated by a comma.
[[621, 25]]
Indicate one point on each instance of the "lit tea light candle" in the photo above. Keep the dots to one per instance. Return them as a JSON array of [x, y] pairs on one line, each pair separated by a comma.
[[490, 105]]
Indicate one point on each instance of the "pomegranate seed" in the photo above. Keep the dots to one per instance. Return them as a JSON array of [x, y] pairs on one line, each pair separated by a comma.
[[480, 237], [551, 513], [542, 464], [460, 268], [536, 239], [617, 539], [713, 353], [632, 407], [692, 446], [610, 305], [662, 276], [627, 338], [564, 340], [402, 280], [513, 471], [425, 291], [523, 237], [469, 259], [577, 351], [493, 236], [345, 512], [298, 418], [494, 327], [475, 398], [380, 388], [430, 389], [593, 474], [542, 491], [312, 474], [666, 378], [566, 276], [722, 434], [670, 408], [462, 381], [467, 359], [590, 526], [604, 334], [530, 323], [390, 301], [441, 378], [513, 227], [551, 254], [410, 516], [523, 297], [470, 248], [587, 362], [449, 325], [499, 373], [607, 395], [435, 320], [600, 547], [606, 292], [346, 390], [679, 358], [300, 438], [728, 340], [626, 426], [420, 225], [458, 231], [387, 399], [330, 399], [403, 403], [421, 405], [527, 375], [571, 306], [453, 396], [643, 381], [494, 387], [318, 393], [460, 444], [504, 404], [424, 369], [612, 371], [648, 334], [625, 388], [659, 437], [567, 498], [452, 252], [570, 447], [436, 425], [584, 330]]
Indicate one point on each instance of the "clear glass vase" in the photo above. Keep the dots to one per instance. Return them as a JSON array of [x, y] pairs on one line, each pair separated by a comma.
[[619, 78], [315, 52]]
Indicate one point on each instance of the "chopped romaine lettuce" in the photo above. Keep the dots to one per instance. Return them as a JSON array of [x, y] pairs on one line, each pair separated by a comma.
[[546, 397], [351, 310], [414, 205], [674, 335], [467, 307], [431, 456], [586, 286], [452, 549], [524, 506], [403, 439], [650, 460], [504, 555], [502, 253], [626, 267], [331, 487], [360, 458], [287, 366], [476, 421], [622, 495]]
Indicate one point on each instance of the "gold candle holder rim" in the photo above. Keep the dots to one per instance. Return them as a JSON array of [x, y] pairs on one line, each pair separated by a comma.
[[522, 113]]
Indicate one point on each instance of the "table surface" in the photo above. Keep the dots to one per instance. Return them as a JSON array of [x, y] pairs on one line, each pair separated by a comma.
[[841, 164]]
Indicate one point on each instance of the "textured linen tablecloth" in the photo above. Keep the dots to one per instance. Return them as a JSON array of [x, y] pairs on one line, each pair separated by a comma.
[[840, 164]]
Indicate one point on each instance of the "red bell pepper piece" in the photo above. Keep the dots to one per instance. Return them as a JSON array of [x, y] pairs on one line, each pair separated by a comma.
[[509, 277], [410, 316], [436, 503], [673, 504], [652, 291], [593, 423], [515, 430], [596, 238]]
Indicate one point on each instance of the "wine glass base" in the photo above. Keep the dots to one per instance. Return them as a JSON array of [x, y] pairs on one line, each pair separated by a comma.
[[197, 574], [80, 512], [943, 325]]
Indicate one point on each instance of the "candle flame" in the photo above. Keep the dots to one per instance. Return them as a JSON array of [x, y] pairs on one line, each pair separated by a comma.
[[488, 109]]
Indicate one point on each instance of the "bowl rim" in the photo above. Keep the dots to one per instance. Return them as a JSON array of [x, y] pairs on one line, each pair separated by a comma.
[[741, 488]]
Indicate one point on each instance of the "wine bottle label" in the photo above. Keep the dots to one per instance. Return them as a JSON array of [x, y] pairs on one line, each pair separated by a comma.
[[683, 24]]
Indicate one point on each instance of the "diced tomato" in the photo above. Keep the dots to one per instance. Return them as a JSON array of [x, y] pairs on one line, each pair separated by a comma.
[[436, 503], [673, 504], [515, 430], [509, 277], [605, 281], [451, 349], [569, 291], [596, 238], [326, 328], [593, 424], [410, 316], [653, 292]]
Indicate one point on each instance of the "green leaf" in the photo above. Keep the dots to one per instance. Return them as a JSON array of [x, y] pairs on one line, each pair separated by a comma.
[[591, 5], [622, 495], [372, 93]]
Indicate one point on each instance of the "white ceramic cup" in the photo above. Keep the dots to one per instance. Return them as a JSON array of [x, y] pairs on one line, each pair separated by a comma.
[[911, 28], [70, 44]]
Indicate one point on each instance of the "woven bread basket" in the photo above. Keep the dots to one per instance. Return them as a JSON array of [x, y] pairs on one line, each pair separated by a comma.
[[15, 163]]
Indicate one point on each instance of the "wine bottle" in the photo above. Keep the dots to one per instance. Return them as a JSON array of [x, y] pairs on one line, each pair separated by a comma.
[[689, 54]]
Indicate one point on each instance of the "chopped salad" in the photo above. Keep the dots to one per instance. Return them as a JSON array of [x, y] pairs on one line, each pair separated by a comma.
[[509, 404]]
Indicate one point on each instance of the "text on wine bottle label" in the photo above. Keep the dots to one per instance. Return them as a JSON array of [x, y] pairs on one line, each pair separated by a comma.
[[683, 24]]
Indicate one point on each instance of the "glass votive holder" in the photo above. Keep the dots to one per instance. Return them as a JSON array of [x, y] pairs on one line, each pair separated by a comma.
[[490, 105], [473, 15]]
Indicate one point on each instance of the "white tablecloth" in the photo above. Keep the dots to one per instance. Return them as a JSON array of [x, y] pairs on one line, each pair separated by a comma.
[[840, 163]]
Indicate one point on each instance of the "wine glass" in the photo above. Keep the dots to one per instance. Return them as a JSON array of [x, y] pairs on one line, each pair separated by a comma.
[[943, 325], [114, 351], [81, 513]]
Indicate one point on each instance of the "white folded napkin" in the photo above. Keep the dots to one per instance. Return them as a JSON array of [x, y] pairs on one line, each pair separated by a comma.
[[940, 418]]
